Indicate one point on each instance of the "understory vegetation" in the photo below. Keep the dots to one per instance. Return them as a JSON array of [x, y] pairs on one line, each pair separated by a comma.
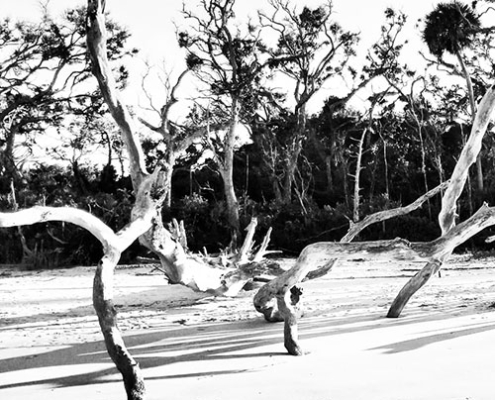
[[306, 174]]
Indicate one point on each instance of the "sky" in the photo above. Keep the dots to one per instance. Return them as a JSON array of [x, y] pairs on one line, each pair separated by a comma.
[[153, 24], [152, 21]]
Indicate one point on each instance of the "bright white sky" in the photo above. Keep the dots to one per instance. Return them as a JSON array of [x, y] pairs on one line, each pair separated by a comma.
[[153, 30], [151, 23]]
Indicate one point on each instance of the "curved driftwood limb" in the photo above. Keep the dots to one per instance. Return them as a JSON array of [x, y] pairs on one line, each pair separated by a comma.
[[356, 228], [113, 245], [107, 318], [385, 215], [447, 215]]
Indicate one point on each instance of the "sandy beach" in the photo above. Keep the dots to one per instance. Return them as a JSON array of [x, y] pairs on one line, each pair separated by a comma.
[[195, 347]]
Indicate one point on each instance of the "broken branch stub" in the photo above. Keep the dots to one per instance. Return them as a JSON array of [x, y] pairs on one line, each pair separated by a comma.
[[289, 305]]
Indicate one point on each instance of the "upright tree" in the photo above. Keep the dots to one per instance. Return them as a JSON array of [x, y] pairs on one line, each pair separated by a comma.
[[451, 28], [43, 66], [226, 58], [311, 49], [174, 137]]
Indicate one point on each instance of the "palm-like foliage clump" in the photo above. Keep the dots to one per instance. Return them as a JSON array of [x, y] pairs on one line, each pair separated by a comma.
[[450, 27]]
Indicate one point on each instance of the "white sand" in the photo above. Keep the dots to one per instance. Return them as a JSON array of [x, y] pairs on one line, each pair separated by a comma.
[[191, 347]]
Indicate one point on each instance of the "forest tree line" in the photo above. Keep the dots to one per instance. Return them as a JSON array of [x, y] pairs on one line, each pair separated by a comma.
[[304, 173]]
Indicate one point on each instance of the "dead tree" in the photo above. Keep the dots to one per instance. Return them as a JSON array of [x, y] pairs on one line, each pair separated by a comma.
[[113, 246], [448, 213], [434, 253], [224, 276]]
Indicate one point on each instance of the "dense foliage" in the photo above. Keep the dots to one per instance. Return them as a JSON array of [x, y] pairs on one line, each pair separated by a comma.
[[300, 174]]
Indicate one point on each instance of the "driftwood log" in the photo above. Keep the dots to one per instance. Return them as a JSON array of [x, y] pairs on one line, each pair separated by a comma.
[[113, 246], [433, 253], [448, 212], [320, 257]]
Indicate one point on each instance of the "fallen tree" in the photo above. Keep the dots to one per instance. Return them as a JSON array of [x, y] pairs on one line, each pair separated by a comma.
[[434, 253], [225, 274]]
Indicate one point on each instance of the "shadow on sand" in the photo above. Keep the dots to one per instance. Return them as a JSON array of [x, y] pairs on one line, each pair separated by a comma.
[[228, 341]]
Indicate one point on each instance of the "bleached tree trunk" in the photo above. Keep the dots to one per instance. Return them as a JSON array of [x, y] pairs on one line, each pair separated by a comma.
[[225, 165], [433, 252], [150, 192], [265, 304], [472, 105], [448, 213], [357, 188], [227, 171]]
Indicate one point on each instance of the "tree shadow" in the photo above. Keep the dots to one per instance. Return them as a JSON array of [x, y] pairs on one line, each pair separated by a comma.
[[416, 343], [221, 341]]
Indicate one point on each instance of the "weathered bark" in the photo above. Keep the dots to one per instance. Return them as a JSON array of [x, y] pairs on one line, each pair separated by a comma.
[[467, 158], [97, 49], [447, 214], [113, 245], [226, 169], [107, 317], [472, 105], [433, 253], [8, 166], [412, 286], [357, 189], [289, 305], [356, 228]]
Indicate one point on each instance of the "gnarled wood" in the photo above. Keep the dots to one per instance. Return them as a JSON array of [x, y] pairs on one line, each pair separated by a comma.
[[289, 306], [412, 286], [433, 253], [447, 214], [179, 266], [113, 245], [356, 228]]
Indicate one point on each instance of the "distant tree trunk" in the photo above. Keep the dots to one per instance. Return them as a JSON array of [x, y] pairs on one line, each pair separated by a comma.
[[168, 174], [291, 157], [293, 150], [423, 152], [8, 166], [472, 104], [226, 169], [357, 188], [385, 164], [328, 172]]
